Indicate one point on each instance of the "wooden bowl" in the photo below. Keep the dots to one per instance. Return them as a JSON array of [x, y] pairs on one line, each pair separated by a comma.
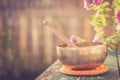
[[87, 55]]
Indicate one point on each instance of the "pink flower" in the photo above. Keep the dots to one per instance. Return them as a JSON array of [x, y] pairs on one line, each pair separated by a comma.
[[118, 17], [73, 38], [87, 4], [97, 2], [96, 39]]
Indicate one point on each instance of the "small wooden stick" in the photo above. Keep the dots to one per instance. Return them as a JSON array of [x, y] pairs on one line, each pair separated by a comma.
[[59, 34]]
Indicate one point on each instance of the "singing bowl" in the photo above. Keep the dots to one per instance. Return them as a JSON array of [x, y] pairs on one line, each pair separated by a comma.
[[87, 55]]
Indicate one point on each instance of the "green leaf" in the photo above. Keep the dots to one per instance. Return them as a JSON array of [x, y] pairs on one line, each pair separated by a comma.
[[111, 22], [105, 4], [108, 9], [95, 7]]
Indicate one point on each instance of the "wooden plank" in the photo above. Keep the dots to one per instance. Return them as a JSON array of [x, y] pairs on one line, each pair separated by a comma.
[[23, 32], [1, 23], [87, 29], [48, 44], [34, 34]]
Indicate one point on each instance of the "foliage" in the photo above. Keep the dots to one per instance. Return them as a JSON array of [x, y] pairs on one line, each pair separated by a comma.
[[103, 18]]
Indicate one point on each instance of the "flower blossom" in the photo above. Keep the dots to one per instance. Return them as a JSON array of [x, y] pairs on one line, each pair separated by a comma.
[[87, 4], [73, 38], [97, 2], [118, 16], [96, 39]]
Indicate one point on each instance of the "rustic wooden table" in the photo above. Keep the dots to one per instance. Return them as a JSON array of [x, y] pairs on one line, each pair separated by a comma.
[[53, 73]]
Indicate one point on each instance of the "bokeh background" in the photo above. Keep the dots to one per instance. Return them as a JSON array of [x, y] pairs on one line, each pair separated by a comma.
[[27, 47]]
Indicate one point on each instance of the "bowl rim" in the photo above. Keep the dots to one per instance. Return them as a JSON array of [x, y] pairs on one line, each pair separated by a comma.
[[83, 44]]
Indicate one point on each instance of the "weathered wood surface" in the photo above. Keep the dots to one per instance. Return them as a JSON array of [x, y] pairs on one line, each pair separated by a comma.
[[53, 73]]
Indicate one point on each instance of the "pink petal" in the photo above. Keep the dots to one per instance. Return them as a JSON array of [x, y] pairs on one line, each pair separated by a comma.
[[87, 5], [73, 38]]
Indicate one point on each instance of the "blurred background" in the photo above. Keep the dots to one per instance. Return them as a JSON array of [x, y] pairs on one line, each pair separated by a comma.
[[27, 47]]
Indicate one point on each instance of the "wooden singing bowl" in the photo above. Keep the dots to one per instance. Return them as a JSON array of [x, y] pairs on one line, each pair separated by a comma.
[[87, 55]]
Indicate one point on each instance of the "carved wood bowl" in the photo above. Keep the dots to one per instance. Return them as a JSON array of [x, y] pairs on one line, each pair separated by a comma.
[[87, 55]]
